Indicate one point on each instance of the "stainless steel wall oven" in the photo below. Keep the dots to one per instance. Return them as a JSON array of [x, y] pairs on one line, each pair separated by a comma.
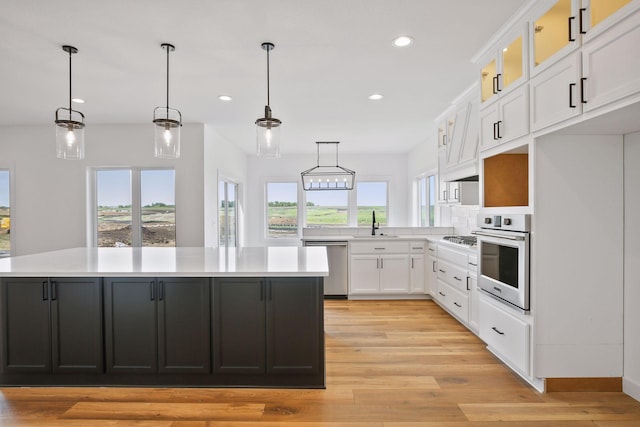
[[503, 257]]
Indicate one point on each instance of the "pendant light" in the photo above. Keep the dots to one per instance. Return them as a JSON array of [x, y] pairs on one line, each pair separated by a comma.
[[268, 127], [328, 177], [167, 122], [69, 125]]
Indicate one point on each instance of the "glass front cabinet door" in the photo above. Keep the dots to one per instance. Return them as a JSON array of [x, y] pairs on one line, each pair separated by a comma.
[[505, 67]]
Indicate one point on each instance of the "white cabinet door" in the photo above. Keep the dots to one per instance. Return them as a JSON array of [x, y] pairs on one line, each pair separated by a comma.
[[474, 301], [431, 269], [611, 64], [457, 126], [514, 115], [489, 117], [394, 274], [555, 93], [417, 271], [364, 274]]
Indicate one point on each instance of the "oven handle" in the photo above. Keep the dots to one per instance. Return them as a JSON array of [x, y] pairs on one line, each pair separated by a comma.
[[497, 236]]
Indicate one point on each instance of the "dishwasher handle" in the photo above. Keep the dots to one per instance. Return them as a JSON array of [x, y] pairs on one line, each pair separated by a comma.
[[325, 243]]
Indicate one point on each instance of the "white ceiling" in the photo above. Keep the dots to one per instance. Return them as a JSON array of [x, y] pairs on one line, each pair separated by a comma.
[[330, 55]]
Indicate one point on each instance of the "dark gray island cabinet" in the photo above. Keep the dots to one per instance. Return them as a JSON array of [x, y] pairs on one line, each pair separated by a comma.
[[186, 331]]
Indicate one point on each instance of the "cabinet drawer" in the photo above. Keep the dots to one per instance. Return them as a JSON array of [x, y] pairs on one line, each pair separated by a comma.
[[452, 275], [506, 334], [456, 302], [417, 247], [432, 248], [453, 256], [379, 247]]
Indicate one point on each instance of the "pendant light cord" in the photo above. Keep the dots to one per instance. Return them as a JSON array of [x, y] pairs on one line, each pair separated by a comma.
[[268, 97], [70, 84], [168, 48]]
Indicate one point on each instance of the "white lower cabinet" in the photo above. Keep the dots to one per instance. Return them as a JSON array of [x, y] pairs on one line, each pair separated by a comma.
[[431, 270], [455, 301], [506, 335], [417, 269], [474, 294], [380, 267]]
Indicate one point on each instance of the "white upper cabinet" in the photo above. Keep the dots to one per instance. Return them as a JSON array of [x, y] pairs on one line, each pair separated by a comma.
[[505, 120], [505, 67]]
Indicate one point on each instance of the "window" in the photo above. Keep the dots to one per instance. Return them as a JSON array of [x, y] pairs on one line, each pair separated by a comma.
[[426, 201], [282, 209], [135, 207], [372, 196], [327, 208], [5, 214], [227, 213]]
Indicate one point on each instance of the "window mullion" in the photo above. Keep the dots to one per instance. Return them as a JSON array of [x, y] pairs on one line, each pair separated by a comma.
[[136, 210]]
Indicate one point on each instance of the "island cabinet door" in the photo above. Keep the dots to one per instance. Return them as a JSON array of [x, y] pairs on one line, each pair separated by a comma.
[[295, 325], [238, 325], [25, 325], [184, 337], [76, 314], [131, 325]]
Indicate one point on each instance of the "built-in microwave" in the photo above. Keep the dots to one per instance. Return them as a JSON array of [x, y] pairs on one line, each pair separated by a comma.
[[503, 258]]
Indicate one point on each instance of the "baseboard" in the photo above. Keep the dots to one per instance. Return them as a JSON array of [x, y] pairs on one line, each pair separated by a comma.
[[632, 388], [583, 384]]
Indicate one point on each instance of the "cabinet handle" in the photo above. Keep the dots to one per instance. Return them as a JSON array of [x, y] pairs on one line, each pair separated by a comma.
[[54, 290], [457, 278], [498, 82], [378, 263], [261, 290], [582, 10], [45, 290], [457, 305], [468, 288], [475, 265], [434, 266], [444, 195], [497, 331], [432, 250], [495, 132], [455, 194], [411, 262], [440, 292], [160, 290], [379, 249], [270, 289], [571, 39], [582, 80], [152, 287], [495, 84], [381, 263], [571, 86], [444, 139], [498, 126], [441, 270]]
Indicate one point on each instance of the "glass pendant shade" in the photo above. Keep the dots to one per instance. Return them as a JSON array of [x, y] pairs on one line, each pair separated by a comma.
[[69, 124], [268, 135], [69, 134], [166, 124], [268, 127], [328, 177]]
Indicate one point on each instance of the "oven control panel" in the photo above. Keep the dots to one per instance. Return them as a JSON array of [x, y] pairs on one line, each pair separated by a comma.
[[512, 222]]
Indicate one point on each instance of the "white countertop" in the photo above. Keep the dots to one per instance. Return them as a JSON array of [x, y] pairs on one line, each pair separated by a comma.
[[176, 262]]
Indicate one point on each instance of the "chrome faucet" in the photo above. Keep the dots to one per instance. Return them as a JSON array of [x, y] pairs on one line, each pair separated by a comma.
[[374, 227]]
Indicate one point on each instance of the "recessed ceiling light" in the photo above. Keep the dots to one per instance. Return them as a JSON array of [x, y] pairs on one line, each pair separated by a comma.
[[375, 97], [225, 98], [78, 100], [402, 41]]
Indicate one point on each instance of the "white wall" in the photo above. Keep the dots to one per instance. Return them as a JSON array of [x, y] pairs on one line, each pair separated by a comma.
[[631, 381], [222, 160], [392, 167], [49, 210]]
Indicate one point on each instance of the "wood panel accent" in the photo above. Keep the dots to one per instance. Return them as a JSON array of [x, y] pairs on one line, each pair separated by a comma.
[[390, 364], [506, 180], [583, 384]]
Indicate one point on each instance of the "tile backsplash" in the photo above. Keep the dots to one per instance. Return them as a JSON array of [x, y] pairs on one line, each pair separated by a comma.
[[462, 218]]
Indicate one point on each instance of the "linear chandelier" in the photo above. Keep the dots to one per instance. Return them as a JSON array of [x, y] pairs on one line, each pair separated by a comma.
[[327, 177]]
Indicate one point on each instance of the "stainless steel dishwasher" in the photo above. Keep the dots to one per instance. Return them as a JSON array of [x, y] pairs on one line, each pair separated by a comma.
[[336, 283]]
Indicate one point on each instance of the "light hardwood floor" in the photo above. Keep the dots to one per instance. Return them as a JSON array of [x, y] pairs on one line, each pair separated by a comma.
[[389, 364]]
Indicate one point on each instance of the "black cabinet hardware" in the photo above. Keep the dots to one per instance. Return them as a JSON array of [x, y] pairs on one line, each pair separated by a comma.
[[571, 39], [582, 80], [497, 331], [571, 87]]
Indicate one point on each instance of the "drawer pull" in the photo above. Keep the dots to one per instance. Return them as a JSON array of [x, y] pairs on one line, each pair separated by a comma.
[[457, 305], [441, 270], [417, 247], [440, 292], [457, 278], [432, 250], [468, 288], [475, 265], [434, 266], [497, 331]]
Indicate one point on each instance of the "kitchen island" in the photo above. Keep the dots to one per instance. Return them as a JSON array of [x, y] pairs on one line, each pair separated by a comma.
[[250, 317]]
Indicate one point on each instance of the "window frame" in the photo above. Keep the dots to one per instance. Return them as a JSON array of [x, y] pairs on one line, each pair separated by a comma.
[[224, 196], [12, 211], [136, 202], [418, 198]]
